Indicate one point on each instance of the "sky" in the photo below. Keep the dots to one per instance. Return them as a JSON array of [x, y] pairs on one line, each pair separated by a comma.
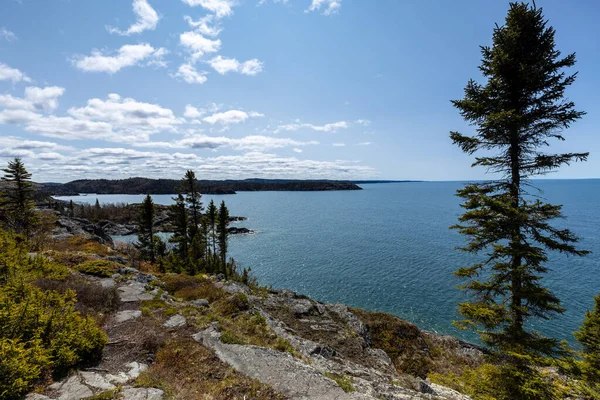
[[234, 89]]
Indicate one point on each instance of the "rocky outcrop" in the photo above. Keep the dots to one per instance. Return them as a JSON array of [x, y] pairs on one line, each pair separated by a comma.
[[329, 353], [67, 227]]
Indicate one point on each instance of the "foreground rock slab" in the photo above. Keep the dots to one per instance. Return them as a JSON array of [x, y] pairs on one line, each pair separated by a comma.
[[284, 373]]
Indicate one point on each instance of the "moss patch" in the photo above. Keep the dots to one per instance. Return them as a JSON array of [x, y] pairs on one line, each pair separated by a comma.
[[101, 268]]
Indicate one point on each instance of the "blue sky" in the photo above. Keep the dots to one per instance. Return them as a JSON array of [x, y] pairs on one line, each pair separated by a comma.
[[340, 89]]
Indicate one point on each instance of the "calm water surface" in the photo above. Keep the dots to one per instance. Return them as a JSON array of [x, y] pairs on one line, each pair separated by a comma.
[[388, 247]]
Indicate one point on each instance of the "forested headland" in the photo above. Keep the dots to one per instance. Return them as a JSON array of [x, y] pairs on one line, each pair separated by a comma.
[[171, 186]]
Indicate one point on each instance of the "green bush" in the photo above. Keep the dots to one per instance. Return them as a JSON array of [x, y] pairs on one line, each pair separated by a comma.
[[40, 331], [101, 268]]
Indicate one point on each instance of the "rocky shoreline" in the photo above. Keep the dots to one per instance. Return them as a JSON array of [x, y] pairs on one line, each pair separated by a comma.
[[103, 231]]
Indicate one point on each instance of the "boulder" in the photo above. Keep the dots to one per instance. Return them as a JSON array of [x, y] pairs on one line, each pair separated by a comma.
[[175, 321], [199, 303]]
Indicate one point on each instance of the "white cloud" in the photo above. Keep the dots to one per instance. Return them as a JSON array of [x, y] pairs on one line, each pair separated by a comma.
[[333, 127], [339, 144], [41, 99], [205, 25], [224, 65], [221, 8], [8, 35], [146, 19], [363, 122], [253, 142], [188, 73], [364, 143], [297, 150], [127, 114], [197, 45], [251, 67], [127, 56], [122, 163], [44, 98], [329, 6], [192, 112], [22, 144], [12, 74], [230, 117], [115, 119]]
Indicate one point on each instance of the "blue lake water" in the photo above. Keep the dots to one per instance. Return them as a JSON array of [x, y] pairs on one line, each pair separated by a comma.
[[388, 247]]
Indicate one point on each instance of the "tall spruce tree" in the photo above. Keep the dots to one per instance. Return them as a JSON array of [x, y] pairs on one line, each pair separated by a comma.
[[589, 337], [178, 214], [518, 110], [196, 244], [17, 200], [211, 214], [146, 230], [223, 235]]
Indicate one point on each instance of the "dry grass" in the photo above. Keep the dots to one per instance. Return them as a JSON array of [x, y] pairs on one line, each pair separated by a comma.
[[68, 258], [137, 340], [186, 370], [92, 299], [79, 243], [416, 352]]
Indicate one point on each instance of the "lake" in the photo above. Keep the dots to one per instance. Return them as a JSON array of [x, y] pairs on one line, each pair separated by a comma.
[[388, 247]]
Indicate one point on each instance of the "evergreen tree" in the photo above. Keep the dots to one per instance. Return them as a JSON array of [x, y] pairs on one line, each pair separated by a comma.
[[194, 206], [146, 240], [211, 214], [589, 337], [516, 112], [17, 201], [178, 215], [71, 209], [97, 209], [223, 235]]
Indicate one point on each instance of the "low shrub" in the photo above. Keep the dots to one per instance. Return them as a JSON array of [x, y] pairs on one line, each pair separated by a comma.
[[401, 340], [79, 243], [101, 268], [92, 299], [233, 304], [40, 330], [343, 381]]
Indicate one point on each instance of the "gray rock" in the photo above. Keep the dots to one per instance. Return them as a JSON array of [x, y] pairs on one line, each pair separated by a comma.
[[108, 283], [352, 320], [130, 393], [301, 306], [284, 373], [136, 369], [36, 396], [233, 287], [175, 321], [127, 315], [72, 389], [144, 278], [199, 303], [96, 380], [380, 355], [66, 227], [127, 271], [134, 291], [220, 277]]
